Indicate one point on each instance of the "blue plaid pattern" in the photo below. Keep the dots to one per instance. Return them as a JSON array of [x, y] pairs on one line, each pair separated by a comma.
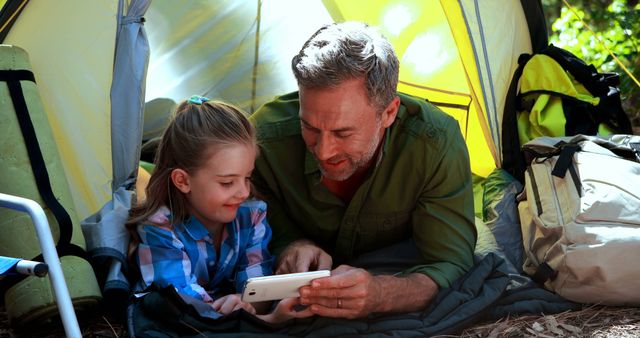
[[184, 255]]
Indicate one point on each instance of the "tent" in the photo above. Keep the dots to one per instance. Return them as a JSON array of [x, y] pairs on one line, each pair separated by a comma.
[[96, 63]]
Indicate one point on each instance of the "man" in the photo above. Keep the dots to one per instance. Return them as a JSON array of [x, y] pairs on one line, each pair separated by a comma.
[[348, 167]]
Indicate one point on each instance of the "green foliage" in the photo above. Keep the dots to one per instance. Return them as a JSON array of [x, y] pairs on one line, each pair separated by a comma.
[[616, 24]]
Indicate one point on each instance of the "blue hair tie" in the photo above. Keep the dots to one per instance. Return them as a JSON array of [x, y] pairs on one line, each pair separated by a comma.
[[197, 99]]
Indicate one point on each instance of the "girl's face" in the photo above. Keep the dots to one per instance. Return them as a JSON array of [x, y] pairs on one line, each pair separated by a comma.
[[216, 189]]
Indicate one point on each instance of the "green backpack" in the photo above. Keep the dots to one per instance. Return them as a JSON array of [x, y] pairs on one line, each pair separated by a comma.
[[554, 93]]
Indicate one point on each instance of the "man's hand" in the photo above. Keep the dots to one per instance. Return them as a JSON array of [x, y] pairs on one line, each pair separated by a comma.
[[355, 293], [230, 303], [302, 256], [348, 293]]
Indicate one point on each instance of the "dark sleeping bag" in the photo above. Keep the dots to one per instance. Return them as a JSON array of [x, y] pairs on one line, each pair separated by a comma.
[[489, 291]]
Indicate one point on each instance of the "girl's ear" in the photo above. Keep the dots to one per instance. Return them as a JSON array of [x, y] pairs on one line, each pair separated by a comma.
[[180, 179]]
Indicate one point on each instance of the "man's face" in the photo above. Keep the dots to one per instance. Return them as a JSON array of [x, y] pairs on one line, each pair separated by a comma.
[[341, 128]]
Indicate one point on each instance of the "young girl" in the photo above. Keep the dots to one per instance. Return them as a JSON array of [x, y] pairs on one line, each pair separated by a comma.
[[195, 230]]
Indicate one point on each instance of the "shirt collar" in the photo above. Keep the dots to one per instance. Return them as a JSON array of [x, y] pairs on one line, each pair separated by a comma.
[[310, 163], [195, 229]]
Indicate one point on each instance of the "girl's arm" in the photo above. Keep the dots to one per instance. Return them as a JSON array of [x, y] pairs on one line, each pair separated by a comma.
[[163, 260], [254, 259]]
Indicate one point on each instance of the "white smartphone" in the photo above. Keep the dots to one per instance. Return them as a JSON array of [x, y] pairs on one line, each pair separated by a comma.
[[258, 289]]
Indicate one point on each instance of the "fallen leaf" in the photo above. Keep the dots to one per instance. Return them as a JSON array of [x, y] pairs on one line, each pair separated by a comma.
[[552, 325], [537, 326], [571, 328], [497, 330]]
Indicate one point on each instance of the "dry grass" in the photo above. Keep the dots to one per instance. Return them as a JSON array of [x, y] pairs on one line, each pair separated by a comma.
[[94, 326], [591, 321]]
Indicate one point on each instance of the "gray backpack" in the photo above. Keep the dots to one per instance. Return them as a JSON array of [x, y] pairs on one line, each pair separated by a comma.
[[580, 217]]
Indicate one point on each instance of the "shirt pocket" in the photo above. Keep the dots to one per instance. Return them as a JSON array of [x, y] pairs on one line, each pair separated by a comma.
[[379, 230]]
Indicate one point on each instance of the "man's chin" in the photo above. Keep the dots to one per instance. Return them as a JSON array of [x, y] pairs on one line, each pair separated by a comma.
[[336, 176]]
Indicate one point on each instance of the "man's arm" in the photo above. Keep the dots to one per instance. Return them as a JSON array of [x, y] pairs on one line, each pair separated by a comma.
[[355, 293], [444, 234], [443, 219]]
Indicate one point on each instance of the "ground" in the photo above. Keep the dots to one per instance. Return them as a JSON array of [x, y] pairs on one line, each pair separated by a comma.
[[591, 321]]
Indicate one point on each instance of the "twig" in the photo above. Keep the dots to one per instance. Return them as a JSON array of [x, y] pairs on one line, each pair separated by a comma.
[[111, 326]]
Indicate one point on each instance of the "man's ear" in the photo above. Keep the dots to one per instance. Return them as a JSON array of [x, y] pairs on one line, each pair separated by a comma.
[[180, 178], [389, 114]]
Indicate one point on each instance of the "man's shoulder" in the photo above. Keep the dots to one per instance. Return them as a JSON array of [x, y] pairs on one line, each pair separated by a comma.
[[424, 120], [277, 118]]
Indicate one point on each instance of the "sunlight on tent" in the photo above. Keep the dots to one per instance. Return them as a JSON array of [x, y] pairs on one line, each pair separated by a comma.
[[426, 46], [214, 53], [396, 19]]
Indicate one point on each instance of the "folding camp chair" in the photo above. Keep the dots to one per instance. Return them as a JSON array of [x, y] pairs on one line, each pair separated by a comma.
[[35, 211], [11, 265]]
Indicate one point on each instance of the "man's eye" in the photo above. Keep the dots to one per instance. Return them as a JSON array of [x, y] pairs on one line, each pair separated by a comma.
[[344, 135], [309, 129]]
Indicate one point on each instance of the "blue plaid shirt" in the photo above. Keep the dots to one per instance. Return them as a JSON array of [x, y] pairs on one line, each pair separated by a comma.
[[184, 255]]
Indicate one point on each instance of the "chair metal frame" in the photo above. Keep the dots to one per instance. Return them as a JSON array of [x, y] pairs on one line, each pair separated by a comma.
[[47, 245]]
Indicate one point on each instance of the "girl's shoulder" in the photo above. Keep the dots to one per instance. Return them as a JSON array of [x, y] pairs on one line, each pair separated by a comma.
[[160, 219]]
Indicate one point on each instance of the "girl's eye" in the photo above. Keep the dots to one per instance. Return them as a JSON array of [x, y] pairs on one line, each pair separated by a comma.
[[226, 184]]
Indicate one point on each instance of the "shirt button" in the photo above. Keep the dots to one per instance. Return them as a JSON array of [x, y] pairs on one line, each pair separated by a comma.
[[386, 224]]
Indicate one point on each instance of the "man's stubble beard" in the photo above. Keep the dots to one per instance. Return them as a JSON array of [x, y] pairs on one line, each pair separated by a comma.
[[354, 166]]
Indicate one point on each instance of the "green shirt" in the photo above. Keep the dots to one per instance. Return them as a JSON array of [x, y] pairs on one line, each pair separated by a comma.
[[420, 188]]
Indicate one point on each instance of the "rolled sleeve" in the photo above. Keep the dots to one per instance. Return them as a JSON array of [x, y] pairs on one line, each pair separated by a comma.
[[443, 221]]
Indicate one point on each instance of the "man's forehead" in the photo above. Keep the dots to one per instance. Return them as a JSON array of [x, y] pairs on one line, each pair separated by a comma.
[[329, 124]]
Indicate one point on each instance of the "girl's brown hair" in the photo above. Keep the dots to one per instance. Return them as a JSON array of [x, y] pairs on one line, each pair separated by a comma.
[[194, 131]]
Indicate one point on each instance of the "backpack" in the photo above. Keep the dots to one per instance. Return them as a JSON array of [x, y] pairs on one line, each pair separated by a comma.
[[554, 93], [580, 217]]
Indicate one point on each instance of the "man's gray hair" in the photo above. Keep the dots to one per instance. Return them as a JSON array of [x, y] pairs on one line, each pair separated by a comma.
[[348, 50]]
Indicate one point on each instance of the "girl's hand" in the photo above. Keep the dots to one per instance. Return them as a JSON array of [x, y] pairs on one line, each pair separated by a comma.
[[285, 310], [230, 303]]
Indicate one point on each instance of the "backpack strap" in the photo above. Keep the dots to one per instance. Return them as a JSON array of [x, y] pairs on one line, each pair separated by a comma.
[[512, 159], [564, 160], [543, 273], [64, 246]]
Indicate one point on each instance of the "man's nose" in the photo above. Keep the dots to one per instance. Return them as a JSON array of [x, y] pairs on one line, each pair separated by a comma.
[[325, 147]]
